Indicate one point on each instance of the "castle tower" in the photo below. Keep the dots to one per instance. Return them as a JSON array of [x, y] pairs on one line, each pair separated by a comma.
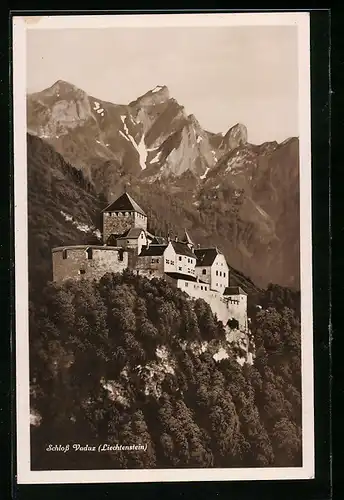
[[121, 215]]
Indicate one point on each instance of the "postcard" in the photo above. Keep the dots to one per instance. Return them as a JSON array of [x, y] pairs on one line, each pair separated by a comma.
[[163, 270]]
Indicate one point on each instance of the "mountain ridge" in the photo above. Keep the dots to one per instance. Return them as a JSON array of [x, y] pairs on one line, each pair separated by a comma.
[[247, 194]]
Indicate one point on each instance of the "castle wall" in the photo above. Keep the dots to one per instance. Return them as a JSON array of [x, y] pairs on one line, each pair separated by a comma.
[[199, 272], [185, 265], [237, 308], [150, 266], [117, 223], [77, 265], [194, 289], [219, 274], [170, 260], [234, 307]]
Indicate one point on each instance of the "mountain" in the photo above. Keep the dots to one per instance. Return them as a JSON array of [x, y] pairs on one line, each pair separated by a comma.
[[242, 197]]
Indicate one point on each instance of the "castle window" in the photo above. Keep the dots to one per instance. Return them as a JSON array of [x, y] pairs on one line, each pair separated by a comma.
[[217, 273], [220, 273], [89, 252], [179, 268], [157, 261], [201, 287], [64, 254], [82, 271], [204, 271], [224, 275], [153, 260], [128, 241], [180, 257], [141, 236], [186, 284]]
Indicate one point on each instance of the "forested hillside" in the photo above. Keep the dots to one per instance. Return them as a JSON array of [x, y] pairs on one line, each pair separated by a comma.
[[133, 361]]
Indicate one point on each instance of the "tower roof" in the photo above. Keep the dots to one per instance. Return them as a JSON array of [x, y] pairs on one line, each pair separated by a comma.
[[124, 202], [187, 239]]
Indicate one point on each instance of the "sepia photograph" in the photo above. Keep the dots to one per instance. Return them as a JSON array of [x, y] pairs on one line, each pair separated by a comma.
[[162, 174]]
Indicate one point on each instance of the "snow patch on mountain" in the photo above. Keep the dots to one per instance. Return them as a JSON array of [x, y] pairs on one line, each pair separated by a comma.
[[140, 147], [156, 158], [205, 173], [156, 89], [85, 228], [142, 150]]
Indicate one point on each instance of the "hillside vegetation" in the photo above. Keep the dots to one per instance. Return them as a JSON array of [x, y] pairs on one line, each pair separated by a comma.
[[131, 361]]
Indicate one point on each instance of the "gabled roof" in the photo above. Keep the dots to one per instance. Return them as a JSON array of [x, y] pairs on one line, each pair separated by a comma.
[[234, 290], [187, 238], [133, 232], [112, 239], [158, 240], [205, 256], [152, 250], [182, 249], [124, 202]]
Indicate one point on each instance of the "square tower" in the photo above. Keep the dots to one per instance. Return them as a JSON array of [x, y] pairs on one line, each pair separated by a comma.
[[122, 215]]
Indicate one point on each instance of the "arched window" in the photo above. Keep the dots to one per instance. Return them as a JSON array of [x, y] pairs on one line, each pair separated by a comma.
[[89, 252], [204, 271]]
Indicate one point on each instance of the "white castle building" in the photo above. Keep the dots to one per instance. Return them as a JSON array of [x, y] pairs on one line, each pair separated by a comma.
[[199, 272]]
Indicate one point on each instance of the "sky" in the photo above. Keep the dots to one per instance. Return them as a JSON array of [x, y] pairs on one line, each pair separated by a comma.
[[222, 75]]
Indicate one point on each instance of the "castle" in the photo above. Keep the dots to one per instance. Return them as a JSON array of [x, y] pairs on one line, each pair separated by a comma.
[[200, 272]]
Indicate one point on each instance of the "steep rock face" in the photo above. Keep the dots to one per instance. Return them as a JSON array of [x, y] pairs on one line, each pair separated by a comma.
[[187, 149], [235, 137], [228, 192]]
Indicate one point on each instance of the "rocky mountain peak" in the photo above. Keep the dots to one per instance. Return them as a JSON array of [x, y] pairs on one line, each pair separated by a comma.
[[235, 137], [63, 90], [158, 95], [193, 120]]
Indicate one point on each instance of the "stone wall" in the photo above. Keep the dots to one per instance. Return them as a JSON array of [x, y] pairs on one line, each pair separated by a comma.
[[204, 277], [234, 307], [78, 265], [148, 266], [117, 223], [140, 221]]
